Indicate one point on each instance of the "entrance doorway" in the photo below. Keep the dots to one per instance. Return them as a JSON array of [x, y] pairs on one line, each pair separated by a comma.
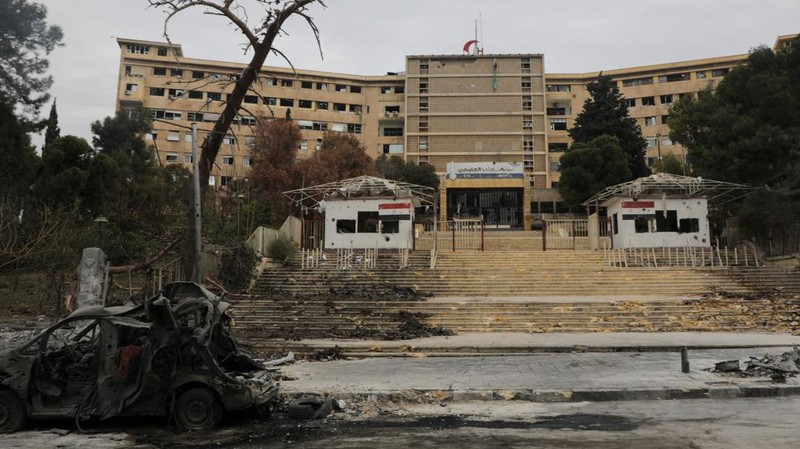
[[500, 208]]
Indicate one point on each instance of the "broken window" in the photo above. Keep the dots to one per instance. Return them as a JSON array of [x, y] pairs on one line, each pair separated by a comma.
[[558, 124], [226, 181], [354, 128], [171, 157], [138, 49], [214, 96], [390, 227], [306, 85], [648, 101], [270, 101], [251, 99], [157, 91], [176, 72], [559, 88], [527, 145], [367, 222], [666, 99], [196, 95], [197, 74], [322, 105], [345, 226], [175, 93], [666, 222], [650, 121], [160, 71], [700, 75], [689, 225], [641, 224], [162, 51], [130, 88], [305, 104], [630, 102], [340, 107], [286, 83], [637, 82]]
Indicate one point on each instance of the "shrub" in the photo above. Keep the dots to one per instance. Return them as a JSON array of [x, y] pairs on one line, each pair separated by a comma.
[[281, 248]]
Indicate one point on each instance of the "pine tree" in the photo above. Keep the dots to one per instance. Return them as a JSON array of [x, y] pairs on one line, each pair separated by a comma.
[[53, 132], [605, 113]]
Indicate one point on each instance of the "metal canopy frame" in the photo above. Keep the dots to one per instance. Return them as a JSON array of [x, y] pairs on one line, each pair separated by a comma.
[[655, 186], [359, 187]]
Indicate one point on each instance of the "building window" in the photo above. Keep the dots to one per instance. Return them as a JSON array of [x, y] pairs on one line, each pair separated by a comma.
[[174, 93], [226, 181], [151, 136], [197, 74], [652, 142], [423, 104], [322, 105], [196, 95], [138, 49], [666, 99], [527, 145], [558, 124], [173, 136], [399, 89], [630, 102], [555, 166], [270, 101], [391, 110], [229, 140], [637, 82], [525, 65], [306, 85], [167, 115], [648, 101], [559, 88], [288, 102], [674, 77], [667, 140], [286, 83], [176, 72], [354, 128], [345, 226], [340, 107], [341, 88], [664, 119], [130, 88], [527, 104], [423, 86], [187, 138], [424, 65], [171, 157], [322, 86], [162, 51], [392, 132], [700, 75], [212, 180], [160, 71], [386, 89], [213, 96], [227, 160], [251, 99], [526, 85], [303, 145], [557, 147], [338, 127], [187, 158], [249, 140], [689, 225], [556, 111], [423, 144], [527, 122], [355, 108], [423, 124], [719, 72], [247, 161], [355, 89], [650, 121], [393, 148]]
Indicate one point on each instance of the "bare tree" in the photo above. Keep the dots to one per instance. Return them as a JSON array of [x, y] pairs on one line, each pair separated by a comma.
[[18, 244], [260, 37]]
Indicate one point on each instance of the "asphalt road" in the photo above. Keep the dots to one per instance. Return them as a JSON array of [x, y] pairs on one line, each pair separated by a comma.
[[728, 424]]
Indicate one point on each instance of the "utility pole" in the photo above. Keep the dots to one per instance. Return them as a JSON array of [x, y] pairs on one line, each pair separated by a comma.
[[197, 210]]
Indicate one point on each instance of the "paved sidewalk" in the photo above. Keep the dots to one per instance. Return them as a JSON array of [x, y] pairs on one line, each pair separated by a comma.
[[540, 377], [498, 342]]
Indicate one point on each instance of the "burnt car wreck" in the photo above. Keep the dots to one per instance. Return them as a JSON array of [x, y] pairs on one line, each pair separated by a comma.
[[172, 355]]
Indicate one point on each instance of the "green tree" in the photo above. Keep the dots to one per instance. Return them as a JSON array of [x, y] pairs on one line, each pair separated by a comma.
[[670, 163], [25, 41], [66, 168], [606, 114], [18, 160], [399, 170], [52, 131], [748, 130], [588, 168]]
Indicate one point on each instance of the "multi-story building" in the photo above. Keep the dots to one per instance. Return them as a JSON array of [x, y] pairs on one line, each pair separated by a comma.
[[498, 121]]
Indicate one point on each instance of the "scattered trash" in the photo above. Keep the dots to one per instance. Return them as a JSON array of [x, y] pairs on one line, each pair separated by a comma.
[[729, 366], [310, 408], [777, 367]]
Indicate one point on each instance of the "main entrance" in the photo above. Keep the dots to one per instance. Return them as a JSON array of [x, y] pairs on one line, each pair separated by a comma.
[[500, 208]]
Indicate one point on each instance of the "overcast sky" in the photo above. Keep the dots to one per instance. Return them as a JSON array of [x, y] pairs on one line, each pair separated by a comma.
[[371, 37]]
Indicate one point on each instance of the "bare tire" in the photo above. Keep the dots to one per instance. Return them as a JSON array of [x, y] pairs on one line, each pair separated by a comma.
[[197, 409], [12, 412]]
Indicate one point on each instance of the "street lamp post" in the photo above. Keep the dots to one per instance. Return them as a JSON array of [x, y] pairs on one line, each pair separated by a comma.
[[101, 220], [658, 145], [239, 198]]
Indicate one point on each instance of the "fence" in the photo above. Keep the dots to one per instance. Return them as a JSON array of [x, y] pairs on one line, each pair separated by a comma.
[[680, 257], [569, 234]]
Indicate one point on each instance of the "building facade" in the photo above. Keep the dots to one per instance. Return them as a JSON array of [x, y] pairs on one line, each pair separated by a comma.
[[444, 109]]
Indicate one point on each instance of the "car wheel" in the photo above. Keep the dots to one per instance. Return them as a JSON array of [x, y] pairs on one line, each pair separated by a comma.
[[310, 408], [197, 409], [12, 412]]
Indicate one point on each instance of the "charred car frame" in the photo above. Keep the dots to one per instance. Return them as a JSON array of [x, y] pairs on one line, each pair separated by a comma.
[[171, 355]]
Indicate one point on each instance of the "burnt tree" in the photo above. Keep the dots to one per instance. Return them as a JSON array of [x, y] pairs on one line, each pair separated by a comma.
[[260, 39]]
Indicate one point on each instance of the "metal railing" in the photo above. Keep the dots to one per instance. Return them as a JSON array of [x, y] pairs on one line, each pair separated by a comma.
[[712, 257]]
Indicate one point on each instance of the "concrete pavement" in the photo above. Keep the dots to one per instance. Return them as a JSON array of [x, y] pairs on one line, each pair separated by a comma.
[[652, 373]]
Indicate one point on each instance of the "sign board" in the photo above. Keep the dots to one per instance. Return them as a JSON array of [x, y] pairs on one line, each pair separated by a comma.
[[484, 170]]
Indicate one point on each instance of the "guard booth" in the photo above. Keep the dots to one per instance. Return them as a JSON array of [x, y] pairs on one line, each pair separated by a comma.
[[661, 210], [360, 213]]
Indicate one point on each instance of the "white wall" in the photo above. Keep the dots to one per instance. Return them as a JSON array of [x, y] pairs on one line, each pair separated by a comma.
[[686, 208], [336, 210]]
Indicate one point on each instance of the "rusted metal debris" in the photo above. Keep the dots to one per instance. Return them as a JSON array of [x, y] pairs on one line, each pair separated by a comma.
[[171, 355]]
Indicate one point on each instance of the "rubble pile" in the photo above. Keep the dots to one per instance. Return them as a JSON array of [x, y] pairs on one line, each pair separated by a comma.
[[777, 367]]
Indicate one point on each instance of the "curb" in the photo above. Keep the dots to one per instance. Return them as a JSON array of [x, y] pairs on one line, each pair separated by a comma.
[[554, 396]]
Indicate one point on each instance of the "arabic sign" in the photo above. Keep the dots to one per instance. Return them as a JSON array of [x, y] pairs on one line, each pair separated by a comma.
[[482, 170]]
